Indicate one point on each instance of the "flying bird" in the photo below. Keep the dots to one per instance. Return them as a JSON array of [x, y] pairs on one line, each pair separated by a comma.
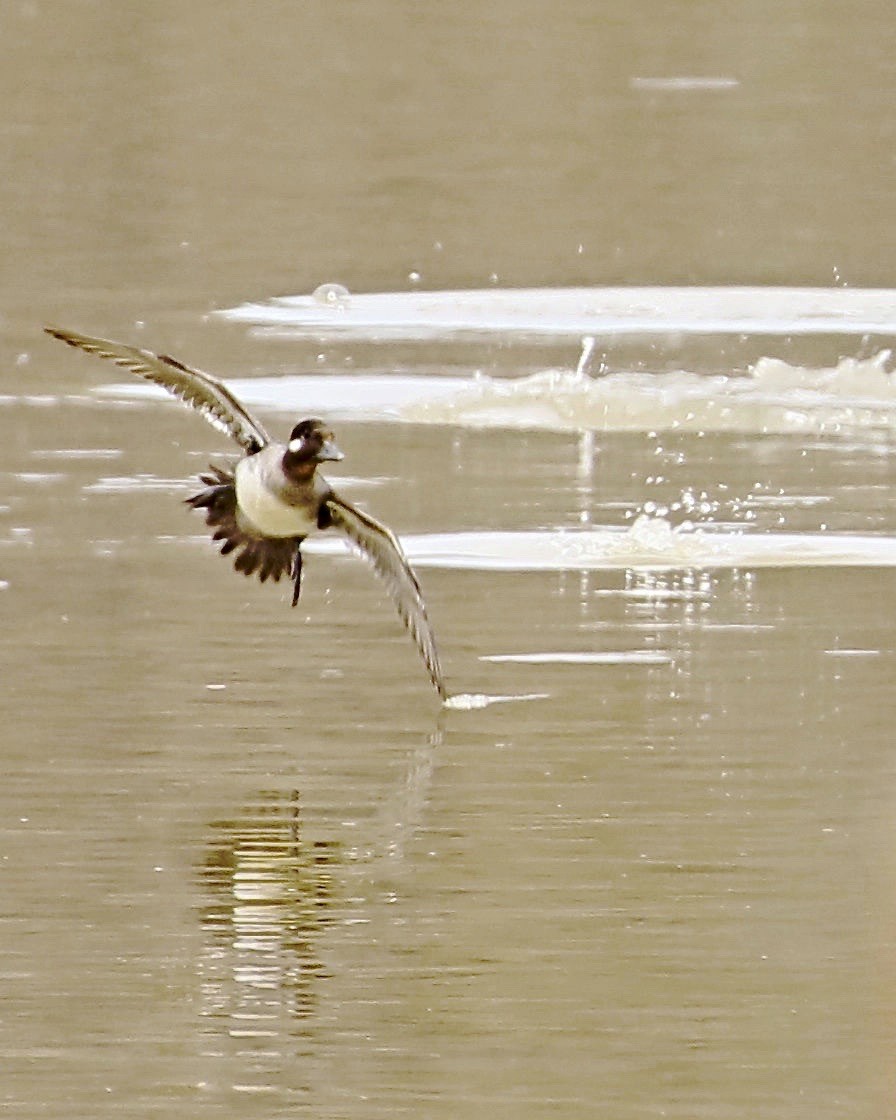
[[275, 497]]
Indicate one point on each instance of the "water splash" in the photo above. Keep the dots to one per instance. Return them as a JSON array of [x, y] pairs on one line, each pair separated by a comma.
[[649, 543], [773, 398], [855, 396], [583, 368], [473, 701], [331, 295]]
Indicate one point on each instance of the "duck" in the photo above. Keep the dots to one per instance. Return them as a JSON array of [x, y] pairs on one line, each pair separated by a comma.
[[264, 507]]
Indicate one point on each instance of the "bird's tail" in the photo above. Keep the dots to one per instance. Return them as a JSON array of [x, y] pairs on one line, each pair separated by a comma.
[[269, 557]]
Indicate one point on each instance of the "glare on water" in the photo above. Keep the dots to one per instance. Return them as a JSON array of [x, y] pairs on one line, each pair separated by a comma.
[[601, 309]]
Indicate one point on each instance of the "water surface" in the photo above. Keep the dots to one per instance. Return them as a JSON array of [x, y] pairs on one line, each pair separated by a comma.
[[250, 866]]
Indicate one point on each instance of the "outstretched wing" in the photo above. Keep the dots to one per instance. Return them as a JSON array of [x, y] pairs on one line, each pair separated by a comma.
[[201, 391], [381, 548]]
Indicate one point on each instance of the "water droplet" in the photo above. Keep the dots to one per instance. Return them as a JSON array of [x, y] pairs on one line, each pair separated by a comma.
[[332, 295]]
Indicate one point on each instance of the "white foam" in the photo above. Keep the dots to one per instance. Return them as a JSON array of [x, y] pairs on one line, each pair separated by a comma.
[[651, 543], [359, 396], [623, 657], [774, 397], [471, 701], [577, 311]]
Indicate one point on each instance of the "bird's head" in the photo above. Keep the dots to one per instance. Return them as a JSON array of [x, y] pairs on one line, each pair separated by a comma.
[[310, 442]]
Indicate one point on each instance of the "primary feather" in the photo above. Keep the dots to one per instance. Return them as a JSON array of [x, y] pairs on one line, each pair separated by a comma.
[[207, 394], [381, 548]]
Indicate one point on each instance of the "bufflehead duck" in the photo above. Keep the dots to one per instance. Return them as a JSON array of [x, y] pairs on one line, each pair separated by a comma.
[[274, 497]]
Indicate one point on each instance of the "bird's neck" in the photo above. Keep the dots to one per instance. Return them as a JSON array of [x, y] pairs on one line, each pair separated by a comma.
[[298, 468]]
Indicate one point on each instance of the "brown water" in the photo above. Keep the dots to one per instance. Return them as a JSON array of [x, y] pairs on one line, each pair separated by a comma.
[[247, 866]]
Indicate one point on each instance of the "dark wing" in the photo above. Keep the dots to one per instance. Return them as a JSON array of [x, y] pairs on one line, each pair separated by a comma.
[[200, 390], [380, 547], [270, 557]]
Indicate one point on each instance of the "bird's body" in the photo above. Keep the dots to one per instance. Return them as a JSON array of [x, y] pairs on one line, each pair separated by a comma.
[[275, 496], [271, 504]]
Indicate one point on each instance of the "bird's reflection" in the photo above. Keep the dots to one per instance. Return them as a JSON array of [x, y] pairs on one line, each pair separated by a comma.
[[270, 909], [269, 895]]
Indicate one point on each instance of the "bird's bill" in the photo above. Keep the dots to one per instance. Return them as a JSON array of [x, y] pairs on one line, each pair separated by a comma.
[[330, 452]]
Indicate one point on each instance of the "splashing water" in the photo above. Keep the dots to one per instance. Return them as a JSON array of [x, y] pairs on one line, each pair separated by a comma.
[[649, 543], [774, 398], [473, 701], [331, 295], [855, 396]]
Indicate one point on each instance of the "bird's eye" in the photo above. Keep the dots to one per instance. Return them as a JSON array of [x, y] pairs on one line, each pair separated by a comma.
[[296, 445]]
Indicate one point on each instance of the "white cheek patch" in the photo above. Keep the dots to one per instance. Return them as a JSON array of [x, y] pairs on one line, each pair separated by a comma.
[[296, 445]]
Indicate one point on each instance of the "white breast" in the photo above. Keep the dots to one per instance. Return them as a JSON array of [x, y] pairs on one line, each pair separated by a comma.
[[264, 498]]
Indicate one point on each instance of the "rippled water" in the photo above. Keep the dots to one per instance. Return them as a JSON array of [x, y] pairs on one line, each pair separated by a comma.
[[290, 880], [640, 827], [640, 864]]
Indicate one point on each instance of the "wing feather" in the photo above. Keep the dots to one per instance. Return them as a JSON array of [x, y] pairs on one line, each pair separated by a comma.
[[380, 546], [207, 394]]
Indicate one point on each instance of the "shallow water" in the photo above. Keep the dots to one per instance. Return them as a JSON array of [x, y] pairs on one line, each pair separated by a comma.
[[641, 863]]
